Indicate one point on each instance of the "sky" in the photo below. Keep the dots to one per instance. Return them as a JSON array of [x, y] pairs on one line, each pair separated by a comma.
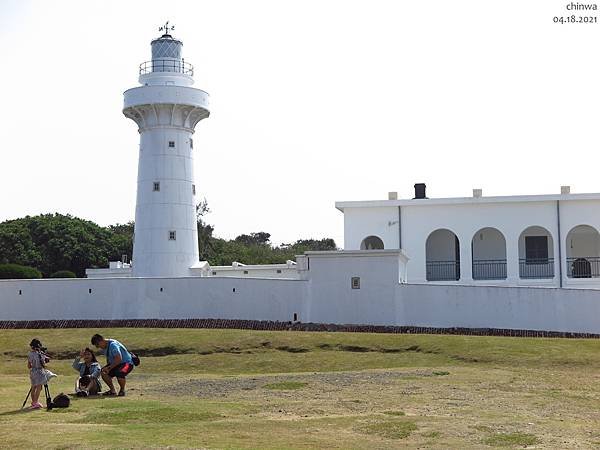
[[312, 102]]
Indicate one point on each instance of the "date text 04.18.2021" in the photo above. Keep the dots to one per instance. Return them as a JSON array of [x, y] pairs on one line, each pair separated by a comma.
[[575, 19]]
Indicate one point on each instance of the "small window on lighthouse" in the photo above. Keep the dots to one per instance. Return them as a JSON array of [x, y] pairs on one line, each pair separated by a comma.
[[156, 186], [171, 144], [172, 235], [194, 189], [191, 143]]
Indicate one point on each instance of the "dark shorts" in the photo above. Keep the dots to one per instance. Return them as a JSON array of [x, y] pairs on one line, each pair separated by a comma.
[[121, 371]]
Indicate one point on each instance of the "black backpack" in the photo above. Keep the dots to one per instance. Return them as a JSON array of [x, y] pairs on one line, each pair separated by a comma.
[[60, 401], [135, 358]]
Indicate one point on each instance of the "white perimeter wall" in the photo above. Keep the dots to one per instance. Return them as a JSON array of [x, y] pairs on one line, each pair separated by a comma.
[[139, 298], [326, 297], [525, 308], [331, 298]]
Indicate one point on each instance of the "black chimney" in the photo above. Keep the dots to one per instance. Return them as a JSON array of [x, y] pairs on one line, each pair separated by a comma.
[[420, 190]]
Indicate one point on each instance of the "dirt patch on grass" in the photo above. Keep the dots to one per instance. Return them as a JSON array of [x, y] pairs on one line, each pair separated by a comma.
[[162, 351], [353, 348], [148, 352], [223, 387], [285, 385], [363, 349], [285, 348], [172, 350]]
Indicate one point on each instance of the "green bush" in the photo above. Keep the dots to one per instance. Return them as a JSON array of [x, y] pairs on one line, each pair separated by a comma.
[[63, 274], [16, 271]]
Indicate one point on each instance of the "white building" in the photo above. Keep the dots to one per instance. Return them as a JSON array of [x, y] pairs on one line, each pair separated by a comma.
[[529, 240]]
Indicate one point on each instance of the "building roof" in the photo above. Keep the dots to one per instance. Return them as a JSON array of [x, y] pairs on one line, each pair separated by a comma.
[[466, 200]]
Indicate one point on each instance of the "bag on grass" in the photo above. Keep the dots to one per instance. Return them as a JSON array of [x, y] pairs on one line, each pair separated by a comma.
[[61, 401]]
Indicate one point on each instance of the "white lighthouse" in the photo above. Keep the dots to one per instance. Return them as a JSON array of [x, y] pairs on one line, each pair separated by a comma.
[[166, 109]]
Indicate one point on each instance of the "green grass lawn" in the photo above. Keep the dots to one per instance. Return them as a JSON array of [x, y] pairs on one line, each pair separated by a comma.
[[279, 390]]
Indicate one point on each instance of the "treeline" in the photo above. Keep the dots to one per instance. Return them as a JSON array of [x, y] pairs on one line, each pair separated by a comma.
[[56, 242]]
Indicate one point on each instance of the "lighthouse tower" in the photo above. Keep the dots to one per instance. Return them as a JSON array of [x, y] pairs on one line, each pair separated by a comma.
[[166, 110]]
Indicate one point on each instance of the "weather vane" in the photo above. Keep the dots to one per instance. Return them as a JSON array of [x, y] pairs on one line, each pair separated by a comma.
[[166, 28]]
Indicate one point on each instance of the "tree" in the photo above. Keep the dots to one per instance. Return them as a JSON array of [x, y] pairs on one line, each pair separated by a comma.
[[63, 274], [205, 231], [53, 242], [260, 238], [315, 245], [16, 244], [121, 240], [17, 271]]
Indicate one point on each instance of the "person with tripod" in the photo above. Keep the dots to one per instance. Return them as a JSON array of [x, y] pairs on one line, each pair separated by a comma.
[[39, 375]]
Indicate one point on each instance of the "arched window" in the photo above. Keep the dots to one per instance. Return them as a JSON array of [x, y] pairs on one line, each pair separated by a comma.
[[442, 254], [488, 249], [371, 243], [536, 253], [583, 252]]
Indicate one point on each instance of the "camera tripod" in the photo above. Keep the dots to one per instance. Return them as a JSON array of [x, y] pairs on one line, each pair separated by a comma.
[[48, 398]]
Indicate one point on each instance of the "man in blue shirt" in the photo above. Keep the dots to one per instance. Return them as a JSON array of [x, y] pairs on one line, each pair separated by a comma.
[[118, 363]]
